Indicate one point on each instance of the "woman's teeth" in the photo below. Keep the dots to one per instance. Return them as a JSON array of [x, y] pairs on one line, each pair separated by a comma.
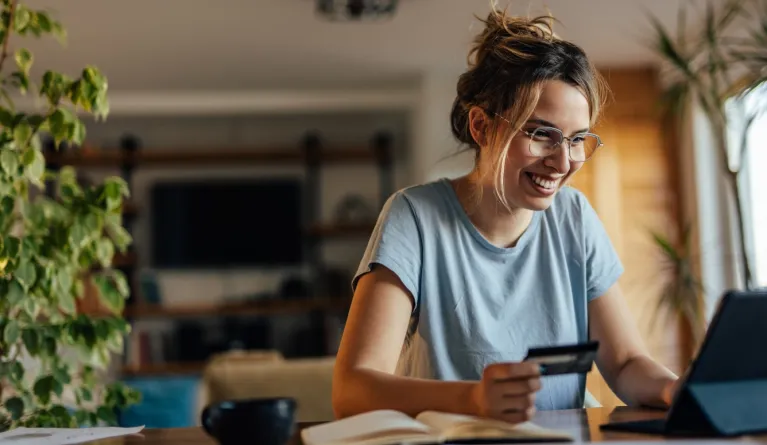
[[545, 183]]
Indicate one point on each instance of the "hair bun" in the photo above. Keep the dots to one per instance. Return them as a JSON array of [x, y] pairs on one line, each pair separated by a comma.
[[508, 35]]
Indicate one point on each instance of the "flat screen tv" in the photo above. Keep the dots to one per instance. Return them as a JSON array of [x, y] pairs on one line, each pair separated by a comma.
[[226, 223]]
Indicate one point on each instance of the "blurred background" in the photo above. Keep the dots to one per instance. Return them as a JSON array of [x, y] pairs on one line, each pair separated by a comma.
[[261, 138]]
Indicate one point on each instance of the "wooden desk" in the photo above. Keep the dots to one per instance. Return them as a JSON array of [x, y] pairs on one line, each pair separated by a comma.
[[584, 424]]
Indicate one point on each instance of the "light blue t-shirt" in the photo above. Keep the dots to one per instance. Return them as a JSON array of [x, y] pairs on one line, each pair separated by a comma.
[[478, 304]]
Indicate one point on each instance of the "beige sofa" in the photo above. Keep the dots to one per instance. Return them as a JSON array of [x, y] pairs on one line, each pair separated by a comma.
[[261, 374]]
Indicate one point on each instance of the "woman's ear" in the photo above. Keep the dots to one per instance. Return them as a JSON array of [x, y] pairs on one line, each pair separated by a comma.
[[479, 124]]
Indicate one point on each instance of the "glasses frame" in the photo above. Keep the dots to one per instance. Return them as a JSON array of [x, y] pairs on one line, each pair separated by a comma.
[[569, 140]]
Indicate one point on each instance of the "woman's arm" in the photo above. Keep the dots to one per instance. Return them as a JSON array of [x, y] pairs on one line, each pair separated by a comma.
[[623, 358], [363, 379]]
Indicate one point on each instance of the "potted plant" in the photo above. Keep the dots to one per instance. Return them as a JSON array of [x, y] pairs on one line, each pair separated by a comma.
[[726, 59], [682, 291], [54, 244]]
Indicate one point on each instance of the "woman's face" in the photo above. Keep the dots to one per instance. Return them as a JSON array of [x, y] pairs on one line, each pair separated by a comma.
[[533, 181]]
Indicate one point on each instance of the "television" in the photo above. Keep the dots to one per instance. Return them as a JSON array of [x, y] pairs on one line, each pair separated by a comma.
[[232, 223]]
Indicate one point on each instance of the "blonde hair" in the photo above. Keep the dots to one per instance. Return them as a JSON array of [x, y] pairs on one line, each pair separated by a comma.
[[508, 63]]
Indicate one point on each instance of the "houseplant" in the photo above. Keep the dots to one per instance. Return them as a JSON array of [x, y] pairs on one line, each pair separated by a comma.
[[682, 292], [725, 59], [53, 244]]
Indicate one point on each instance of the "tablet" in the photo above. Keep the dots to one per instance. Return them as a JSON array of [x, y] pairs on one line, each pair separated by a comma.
[[724, 392]]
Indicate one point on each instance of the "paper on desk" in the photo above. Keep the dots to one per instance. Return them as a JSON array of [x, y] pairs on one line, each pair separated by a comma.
[[667, 441], [62, 436]]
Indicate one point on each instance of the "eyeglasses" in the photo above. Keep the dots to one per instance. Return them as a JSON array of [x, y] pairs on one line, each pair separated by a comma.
[[545, 141]]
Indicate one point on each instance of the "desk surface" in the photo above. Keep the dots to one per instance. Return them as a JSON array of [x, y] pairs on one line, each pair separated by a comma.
[[584, 424]]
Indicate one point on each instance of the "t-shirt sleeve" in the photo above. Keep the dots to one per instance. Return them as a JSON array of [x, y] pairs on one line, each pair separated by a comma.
[[603, 266], [396, 244]]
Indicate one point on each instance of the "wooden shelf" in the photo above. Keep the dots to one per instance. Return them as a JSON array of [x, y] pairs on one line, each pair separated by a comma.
[[186, 157], [261, 308], [171, 368]]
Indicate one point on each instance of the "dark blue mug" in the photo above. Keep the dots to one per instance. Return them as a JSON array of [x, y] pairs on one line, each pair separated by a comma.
[[269, 421]]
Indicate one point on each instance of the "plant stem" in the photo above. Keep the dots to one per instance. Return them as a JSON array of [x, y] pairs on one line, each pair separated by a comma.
[[747, 276], [7, 36]]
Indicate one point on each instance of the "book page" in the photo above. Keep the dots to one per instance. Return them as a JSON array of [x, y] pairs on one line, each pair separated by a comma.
[[457, 426], [62, 436], [376, 427]]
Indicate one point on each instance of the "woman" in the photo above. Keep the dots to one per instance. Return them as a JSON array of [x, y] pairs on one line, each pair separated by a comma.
[[462, 276]]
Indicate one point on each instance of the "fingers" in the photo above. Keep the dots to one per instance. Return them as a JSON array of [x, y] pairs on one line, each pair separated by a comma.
[[510, 389], [513, 408]]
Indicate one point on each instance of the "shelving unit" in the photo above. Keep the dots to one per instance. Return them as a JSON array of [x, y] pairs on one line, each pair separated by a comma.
[[260, 308], [311, 154], [184, 158]]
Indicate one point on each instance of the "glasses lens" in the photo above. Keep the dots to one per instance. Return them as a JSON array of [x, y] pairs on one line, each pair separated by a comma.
[[583, 146], [544, 141]]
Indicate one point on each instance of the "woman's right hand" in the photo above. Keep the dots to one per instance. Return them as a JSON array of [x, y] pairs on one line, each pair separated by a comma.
[[507, 391]]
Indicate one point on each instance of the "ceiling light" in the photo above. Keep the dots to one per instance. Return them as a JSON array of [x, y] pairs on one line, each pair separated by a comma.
[[356, 10]]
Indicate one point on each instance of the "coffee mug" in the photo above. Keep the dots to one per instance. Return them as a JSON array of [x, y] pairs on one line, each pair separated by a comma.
[[268, 421]]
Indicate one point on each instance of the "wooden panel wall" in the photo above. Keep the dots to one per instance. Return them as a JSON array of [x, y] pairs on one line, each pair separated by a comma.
[[632, 186]]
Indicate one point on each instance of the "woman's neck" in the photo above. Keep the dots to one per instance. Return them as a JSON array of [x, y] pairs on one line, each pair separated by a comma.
[[500, 226]]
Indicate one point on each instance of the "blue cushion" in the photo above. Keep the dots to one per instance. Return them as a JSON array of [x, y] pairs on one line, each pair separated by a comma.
[[166, 402]]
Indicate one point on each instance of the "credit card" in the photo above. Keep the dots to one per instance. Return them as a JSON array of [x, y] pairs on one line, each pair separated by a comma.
[[566, 359]]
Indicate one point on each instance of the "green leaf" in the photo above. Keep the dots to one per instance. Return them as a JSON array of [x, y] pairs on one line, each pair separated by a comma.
[[59, 32], [120, 236], [15, 293], [15, 407], [21, 19], [64, 280], [12, 244], [121, 283], [26, 274], [86, 394], [106, 414], [105, 251], [17, 371], [61, 374], [35, 166], [9, 159], [67, 303], [78, 133], [6, 118], [7, 204], [12, 332], [21, 81], [31, 341], [109, 293], [24, 60], [22, 133], [62, 124], [78, 235], [31, 308], [62, 416], [49, 346], [68, 175]]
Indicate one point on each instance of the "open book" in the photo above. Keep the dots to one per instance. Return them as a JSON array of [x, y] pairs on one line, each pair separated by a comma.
[[387, 427]]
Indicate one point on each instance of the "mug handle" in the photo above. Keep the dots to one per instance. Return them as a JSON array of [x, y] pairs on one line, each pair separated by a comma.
[[205, 419]]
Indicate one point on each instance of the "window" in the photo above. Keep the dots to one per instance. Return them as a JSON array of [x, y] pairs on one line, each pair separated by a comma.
[[753, 177]]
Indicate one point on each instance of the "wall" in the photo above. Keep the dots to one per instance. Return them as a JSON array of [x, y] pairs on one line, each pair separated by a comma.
[[632, 184]]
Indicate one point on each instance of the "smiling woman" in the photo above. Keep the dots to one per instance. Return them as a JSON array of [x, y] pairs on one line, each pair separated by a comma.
[[462, 277]]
